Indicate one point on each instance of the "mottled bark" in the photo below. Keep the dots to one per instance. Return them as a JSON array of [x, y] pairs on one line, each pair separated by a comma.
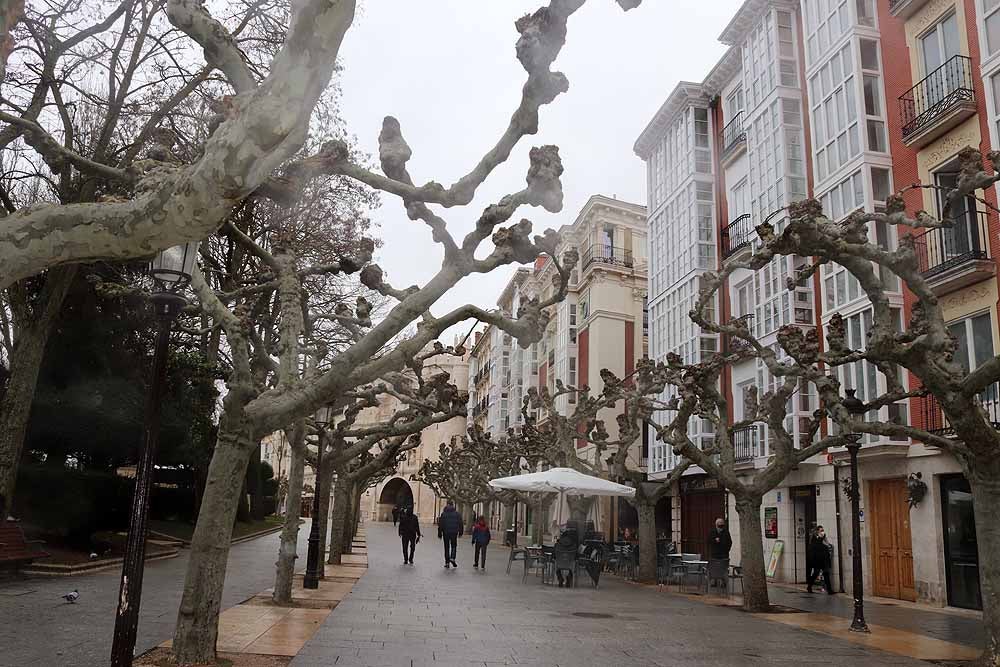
[[338, 522], [647, 540], [579, 507], [198, 618], [26, 361], [985, 485], [755, 597], [323, 489], [288, 545]]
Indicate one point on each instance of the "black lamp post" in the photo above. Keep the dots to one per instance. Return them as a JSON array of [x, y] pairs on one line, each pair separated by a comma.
[[313, 574], [171, 271], [856, 407]]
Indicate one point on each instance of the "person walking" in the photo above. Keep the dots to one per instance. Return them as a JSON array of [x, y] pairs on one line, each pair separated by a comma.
[[719, 543], [450, 528], [409, 533], [820, 556], [395, 515], [480, 539]]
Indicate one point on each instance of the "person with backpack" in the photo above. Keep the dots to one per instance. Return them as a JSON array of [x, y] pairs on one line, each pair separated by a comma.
[[821, 561], [409, 533], [450, 528], [480, 539]]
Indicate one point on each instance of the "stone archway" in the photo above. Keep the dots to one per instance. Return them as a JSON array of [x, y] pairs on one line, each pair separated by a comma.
[[396, 493]]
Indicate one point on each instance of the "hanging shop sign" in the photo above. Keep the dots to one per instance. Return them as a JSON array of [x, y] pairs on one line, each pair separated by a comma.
[[771, 522]]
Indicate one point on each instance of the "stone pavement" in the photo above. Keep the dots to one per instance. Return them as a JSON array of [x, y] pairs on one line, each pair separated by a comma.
[[37, 629], [411, 616]]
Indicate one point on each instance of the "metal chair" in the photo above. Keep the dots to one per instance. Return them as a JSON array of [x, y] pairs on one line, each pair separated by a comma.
[[564, 560], [718, 570], [736, 573], [516, 554], [591, 560], [533, 560]]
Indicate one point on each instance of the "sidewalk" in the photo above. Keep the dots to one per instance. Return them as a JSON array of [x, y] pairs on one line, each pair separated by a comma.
[[421, 615]]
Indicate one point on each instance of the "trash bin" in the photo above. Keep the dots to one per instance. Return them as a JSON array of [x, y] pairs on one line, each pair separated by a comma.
[[510, 538]]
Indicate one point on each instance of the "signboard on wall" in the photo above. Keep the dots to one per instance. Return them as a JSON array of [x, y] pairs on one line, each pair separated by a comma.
[[772, 564], [771, 522]]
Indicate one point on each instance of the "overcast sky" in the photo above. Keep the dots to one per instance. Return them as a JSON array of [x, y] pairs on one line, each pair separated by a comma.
[[447, 70]]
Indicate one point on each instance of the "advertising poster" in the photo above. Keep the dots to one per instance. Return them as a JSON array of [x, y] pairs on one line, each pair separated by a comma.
[[771, 522], [772, 565]]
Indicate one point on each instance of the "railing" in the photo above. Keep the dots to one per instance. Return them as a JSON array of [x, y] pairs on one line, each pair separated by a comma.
[[734, 343], [936, 422], [895, 3], [746, 443], [936, 94], [941, 249], [736, 235], [607, 254], [733, 133]]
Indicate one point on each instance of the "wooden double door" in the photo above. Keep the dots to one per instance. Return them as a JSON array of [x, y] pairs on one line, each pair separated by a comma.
[[891, 544], [698, 514]]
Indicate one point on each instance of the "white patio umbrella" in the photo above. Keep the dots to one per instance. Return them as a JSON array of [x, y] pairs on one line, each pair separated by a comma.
[[564, 481]]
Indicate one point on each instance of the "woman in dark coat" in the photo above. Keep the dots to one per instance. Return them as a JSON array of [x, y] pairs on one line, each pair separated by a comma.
[[820, 558]]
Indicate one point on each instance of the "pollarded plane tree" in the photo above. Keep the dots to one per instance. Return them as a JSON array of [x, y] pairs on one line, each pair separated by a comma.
[[640, 402], [253, 147], [925, 347]]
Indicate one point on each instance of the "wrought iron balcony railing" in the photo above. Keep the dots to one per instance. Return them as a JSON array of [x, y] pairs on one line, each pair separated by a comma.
[[746, 443], [734, 343], [602, 253], [736, 235], [936, 422], [733, 133], [939, 250], [937, 93]]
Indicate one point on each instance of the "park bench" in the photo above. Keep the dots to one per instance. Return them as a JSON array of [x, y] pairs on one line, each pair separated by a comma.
[[15, 550]]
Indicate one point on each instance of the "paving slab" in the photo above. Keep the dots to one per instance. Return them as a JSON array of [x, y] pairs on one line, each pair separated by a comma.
[[468, 616]]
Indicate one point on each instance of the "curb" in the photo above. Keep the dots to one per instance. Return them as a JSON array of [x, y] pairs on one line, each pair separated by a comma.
[[44, 570], [253, 536]]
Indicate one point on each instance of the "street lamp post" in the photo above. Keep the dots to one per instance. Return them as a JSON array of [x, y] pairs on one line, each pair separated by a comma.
[[856, 407], [312, 575], [171, 271]]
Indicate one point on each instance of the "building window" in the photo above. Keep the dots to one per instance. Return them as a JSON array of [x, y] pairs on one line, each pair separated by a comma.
[[991, 21], [835, 113], [866, 13], [974, 336], [571, 379], [572, 323]]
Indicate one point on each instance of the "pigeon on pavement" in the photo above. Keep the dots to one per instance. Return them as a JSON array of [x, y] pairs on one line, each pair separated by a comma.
[[72, 597]]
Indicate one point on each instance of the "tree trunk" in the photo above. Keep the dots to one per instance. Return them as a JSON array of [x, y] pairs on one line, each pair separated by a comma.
[[25, 363], [198, 617], [323, 488], [338, 522], [755, 596], [353, 513], [579, 507], [647, 540], [538, 527], [985, 486], [288, 546], [257, 512]]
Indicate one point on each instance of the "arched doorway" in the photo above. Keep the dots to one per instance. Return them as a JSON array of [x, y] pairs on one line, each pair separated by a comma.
[[395, 493]]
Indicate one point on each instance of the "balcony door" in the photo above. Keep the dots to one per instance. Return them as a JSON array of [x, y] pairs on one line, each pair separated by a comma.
[[957, 240], [939, 45]]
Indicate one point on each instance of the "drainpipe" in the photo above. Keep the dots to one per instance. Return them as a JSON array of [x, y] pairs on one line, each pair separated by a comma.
[[836, 506]]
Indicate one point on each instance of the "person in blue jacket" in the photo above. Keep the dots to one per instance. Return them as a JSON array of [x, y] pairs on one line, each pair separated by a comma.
[[481, 539]]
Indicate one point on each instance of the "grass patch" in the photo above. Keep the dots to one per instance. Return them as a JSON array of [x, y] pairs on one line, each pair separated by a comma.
[[183, 531]]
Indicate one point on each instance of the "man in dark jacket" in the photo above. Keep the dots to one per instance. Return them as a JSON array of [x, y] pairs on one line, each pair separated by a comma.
[[409, 533], [820, 557], [719, 543], [450, 528]]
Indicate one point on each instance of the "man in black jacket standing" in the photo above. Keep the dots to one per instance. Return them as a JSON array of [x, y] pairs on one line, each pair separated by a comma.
[[450, 528], [719, 543], [409, 533]]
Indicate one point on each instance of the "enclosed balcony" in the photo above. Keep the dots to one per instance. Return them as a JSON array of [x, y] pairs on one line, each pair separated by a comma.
[[955, 257], [937, 423], [746, 443], [737, 235], [939, 102], [733, 138], [904, 9], [601, 253]]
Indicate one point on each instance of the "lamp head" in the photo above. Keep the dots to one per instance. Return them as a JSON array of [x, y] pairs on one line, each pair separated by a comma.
[[172, 268]]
